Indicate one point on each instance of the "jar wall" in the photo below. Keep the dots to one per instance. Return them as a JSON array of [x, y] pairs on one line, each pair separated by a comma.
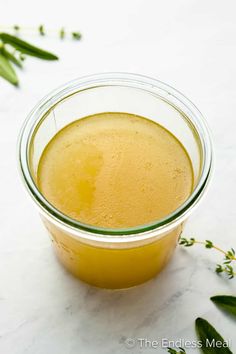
[[113, 267]]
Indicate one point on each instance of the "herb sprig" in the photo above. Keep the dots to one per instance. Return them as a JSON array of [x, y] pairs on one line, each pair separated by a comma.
[[42, 30], [13, 51], [229, 256], [206, 332]]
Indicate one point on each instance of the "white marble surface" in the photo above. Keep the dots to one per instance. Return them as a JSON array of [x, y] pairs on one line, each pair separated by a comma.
[[188, 44]]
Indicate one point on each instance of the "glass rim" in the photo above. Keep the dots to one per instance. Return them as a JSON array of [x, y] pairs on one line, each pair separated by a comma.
[[153, 86]]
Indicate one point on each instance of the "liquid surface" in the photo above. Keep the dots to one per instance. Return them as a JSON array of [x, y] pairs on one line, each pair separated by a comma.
[[115, 170]]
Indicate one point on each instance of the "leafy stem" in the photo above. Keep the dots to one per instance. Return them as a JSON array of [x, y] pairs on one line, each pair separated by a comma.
[[43, 31], [13, 50], [229, 256]]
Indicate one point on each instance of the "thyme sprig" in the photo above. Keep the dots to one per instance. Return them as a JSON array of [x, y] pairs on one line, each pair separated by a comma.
[[205, 331], [229, 256], [42, 30]]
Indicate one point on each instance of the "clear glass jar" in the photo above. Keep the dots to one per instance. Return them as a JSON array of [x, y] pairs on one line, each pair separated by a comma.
[[115, 258]]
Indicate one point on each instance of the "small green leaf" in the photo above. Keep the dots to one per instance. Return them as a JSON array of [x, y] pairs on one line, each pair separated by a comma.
[[62, 33], [219, 269], [11, 57], [186, 243], [7, 71], [173, 351], [230, 271], [211, 340], [26, 48], [226, 302], [22, 57], [41, 30], [209, 244], [76, 35]]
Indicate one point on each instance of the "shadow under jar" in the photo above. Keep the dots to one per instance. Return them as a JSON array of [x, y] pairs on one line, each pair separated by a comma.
[[115, 257]]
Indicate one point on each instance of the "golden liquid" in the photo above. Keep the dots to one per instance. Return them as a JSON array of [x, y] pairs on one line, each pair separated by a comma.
[[115, 170]]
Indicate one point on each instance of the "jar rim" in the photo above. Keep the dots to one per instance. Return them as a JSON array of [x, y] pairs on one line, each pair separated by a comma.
[[101, 234]]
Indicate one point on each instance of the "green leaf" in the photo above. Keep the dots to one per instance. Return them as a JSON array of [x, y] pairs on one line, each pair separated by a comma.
[[62, 33], [11, 57], [173, 351], [228, 303], [209, 244], [186, 243], [7, 71], [209, 338], [76, 35], [26, 48], [219, 269], [41, 30]]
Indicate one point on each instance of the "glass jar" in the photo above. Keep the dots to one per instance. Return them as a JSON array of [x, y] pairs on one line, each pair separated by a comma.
[[115, 258]]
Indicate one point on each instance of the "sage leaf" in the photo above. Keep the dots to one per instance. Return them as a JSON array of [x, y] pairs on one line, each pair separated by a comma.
[[7, 71], [226, 302], [211, 340], [8, 55], [26, 48]]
